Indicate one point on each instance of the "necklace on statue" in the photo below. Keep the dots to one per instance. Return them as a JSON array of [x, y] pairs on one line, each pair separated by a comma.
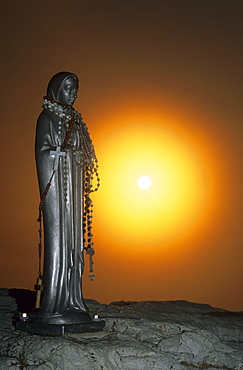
[[71, 117]]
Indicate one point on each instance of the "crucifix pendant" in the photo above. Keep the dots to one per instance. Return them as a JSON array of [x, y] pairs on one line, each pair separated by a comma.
[[57, 153], [91, 252], [39, 289]]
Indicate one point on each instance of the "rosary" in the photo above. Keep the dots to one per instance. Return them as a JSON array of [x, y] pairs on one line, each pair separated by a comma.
[[90, 164]]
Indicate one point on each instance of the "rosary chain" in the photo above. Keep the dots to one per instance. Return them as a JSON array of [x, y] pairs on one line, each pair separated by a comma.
[[91, 168]]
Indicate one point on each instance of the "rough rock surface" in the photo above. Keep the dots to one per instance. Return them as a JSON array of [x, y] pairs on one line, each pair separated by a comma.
[[139, 335]]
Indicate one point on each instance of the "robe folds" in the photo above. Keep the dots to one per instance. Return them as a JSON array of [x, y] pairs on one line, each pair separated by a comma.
[[62, 216]]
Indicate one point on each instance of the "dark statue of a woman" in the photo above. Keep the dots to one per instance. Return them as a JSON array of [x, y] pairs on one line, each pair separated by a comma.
[[66, 164]]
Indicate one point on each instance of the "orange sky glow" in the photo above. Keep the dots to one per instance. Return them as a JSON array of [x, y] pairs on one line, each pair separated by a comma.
[[160, 90]]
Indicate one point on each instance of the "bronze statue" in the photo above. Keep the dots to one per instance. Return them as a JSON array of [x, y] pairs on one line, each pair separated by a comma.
[[66, 164]]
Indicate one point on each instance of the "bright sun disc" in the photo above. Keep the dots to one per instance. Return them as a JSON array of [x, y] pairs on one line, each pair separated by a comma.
[[144, 182]]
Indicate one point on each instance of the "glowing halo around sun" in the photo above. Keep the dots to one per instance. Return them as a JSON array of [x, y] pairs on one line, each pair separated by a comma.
[[144, 182], [181, 193]]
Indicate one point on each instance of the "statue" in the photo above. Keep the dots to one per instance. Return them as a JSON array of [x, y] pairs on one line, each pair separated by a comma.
[[66, 164]]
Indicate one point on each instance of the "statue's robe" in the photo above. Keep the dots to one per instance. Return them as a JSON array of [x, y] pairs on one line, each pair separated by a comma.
[[63, 218]]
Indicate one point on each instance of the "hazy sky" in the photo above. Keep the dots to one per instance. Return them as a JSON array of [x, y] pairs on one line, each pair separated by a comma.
[[161, 93]]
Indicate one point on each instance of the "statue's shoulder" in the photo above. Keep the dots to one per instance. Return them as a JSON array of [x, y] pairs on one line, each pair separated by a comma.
[[46, 117], [45, 114]]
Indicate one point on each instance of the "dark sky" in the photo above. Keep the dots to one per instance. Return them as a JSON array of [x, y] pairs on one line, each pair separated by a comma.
[[161, 92]]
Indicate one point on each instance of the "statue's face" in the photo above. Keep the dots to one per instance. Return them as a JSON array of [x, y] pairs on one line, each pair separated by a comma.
[[68, 92]]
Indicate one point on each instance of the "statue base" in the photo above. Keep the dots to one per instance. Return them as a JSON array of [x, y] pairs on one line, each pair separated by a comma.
[[39, 328], [70, 322]]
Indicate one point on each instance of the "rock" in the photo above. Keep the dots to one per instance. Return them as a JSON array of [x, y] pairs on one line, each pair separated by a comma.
[[147, 335], [7, 303], [7, 308]]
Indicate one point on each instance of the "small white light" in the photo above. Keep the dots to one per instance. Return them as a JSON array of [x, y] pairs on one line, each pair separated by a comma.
[[24, 316], [96, 317]]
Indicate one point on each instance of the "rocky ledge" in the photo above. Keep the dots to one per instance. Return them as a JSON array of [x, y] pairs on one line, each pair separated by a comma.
[[146, 335]]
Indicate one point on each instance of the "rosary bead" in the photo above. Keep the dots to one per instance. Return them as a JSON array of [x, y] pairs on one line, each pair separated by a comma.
[[86, 158]]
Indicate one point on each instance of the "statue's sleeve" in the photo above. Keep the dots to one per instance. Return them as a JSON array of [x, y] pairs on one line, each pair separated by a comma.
[[45, 142], [45, 138]]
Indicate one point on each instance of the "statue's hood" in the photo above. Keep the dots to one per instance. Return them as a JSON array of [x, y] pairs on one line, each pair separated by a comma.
[[56, 83]]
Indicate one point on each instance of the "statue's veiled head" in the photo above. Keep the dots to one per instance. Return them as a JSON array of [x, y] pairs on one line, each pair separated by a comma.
[[63, 88]]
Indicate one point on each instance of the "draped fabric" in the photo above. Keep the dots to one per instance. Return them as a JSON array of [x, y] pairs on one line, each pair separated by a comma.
[[62, 210]]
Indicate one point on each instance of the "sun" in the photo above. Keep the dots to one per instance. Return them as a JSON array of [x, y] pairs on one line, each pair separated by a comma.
[[156, 184], [144, 182]]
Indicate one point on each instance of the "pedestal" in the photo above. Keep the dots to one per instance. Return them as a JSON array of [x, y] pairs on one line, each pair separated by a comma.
[[39, 328]]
